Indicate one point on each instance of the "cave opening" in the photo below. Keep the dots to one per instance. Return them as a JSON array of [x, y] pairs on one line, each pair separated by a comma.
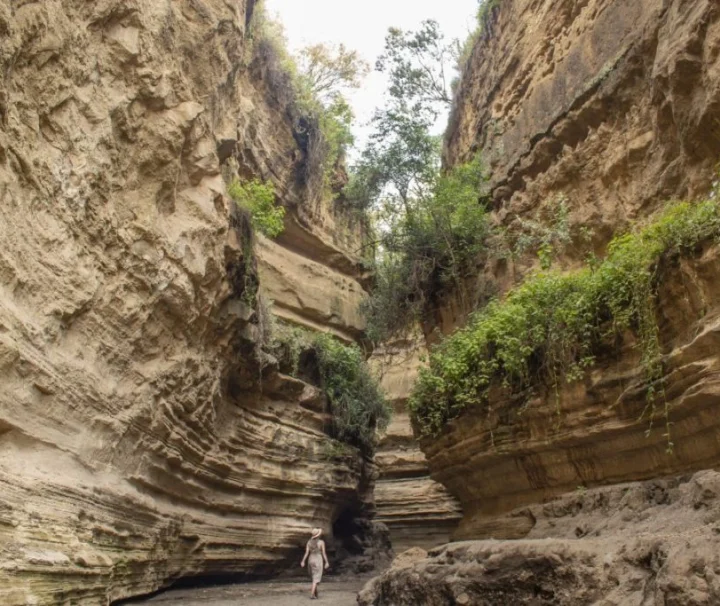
[[348, 534]]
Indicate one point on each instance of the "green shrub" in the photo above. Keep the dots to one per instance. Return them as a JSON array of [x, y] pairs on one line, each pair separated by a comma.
[[431, 245], [258, 199], [358, 406], [356, 401], [334, 450], [550, 326], [287, 344]]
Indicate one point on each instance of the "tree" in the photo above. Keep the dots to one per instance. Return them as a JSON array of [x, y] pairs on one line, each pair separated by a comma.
[[417, 64], [431, 225], [399, 160], [328, 71], [402, 154]]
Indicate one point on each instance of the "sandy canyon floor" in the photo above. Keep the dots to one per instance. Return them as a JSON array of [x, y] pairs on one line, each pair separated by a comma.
[[340, 592]]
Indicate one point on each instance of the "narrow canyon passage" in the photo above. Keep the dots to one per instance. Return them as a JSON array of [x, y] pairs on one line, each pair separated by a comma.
[[482, 368]]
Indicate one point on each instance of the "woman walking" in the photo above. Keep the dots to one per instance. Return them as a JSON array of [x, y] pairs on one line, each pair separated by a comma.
[[315, 556]]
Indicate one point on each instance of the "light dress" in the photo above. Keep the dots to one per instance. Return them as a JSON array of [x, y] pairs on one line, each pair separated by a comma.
[[315, 560]]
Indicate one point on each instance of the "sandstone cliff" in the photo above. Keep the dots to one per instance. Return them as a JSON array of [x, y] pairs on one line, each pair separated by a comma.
[[609, 104], [139, 441], [615, 106]]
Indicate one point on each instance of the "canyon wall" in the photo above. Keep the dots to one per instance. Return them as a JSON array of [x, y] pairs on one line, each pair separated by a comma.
[[610, 105], [418, 511], [613, 106], [144, 435]]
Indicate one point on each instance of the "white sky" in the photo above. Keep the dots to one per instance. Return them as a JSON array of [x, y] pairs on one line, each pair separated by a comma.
[[361, 25]]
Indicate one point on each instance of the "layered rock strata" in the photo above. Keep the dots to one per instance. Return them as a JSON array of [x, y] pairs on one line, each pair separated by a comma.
[[524, 448], [139, 440], [652, 543], [418, 511], [613, 106]]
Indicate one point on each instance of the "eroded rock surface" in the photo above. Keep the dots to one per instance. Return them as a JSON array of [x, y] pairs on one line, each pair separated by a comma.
[[615, 106], [139, 442], [417, 510], [612, 105], [525, 448], [652, 543]]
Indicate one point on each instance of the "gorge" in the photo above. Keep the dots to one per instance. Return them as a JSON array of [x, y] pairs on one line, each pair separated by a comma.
[[148, 432]]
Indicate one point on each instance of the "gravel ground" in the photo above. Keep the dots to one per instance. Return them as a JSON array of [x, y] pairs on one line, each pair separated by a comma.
[[340, 592]]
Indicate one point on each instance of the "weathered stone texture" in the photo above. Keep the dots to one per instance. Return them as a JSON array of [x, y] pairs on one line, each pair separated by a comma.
[[418, 511], [616, 106], [652, 543], [521, 450], [137, 444], [613, 105]]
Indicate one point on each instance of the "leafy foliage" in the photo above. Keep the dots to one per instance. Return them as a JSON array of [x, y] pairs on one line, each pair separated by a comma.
[[401, 159], [551, 325], [550, 235], [430, 226], [432, 244], [358, 406], [417, 64], [287, 343], [402, 156], [258, 198], [326, 71]]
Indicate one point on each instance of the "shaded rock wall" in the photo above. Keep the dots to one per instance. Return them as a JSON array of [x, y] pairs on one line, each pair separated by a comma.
[[614, 105], [418, 511], [139, 442]]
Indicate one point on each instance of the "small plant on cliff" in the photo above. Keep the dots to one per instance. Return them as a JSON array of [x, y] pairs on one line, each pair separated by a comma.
[[258, 199], [333, 450], [485, 11], [287, 344], [550, 326], [549, 234]]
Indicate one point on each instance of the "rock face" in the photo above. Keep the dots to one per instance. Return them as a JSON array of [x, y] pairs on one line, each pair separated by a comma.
[[652, 543], [308, 292], [594, 431], [139, 441], [612, 105], [615, 106], [418, 511]]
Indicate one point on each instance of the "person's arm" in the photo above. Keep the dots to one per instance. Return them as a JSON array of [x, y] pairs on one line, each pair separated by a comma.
[[307, 550], [322, 548]]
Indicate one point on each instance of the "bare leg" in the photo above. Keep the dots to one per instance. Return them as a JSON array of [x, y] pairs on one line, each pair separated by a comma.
[[313, 591]]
